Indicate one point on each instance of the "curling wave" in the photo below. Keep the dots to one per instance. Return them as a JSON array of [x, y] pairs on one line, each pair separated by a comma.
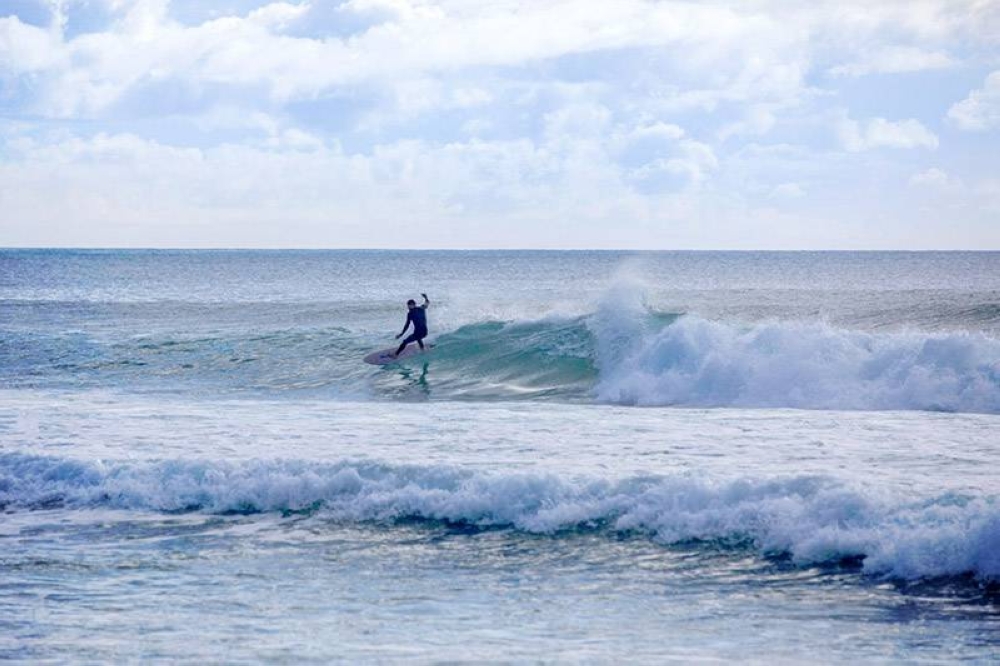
[[809, 519]]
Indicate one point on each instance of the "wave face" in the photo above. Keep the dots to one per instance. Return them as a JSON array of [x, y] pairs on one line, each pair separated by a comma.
[[812, 520], [624, 353]]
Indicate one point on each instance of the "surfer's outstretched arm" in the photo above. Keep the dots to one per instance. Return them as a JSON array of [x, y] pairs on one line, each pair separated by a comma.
[[427, 301]]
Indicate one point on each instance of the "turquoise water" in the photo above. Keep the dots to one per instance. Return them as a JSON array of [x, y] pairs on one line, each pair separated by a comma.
[[606, 456]]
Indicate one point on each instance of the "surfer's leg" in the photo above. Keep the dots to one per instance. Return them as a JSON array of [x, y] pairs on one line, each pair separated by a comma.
[[406, 341]]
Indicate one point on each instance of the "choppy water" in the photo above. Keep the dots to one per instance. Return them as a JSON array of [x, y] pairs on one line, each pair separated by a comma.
[[606, 456]]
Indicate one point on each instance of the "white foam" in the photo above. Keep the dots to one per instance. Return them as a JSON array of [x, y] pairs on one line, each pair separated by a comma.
[[810, 519], [696, 362]]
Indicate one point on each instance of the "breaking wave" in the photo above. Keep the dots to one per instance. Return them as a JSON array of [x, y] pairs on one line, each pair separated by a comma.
[[801, 365], [809, 519]]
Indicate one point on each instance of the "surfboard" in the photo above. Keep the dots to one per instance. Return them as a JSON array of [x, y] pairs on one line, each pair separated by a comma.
[[384, 356]]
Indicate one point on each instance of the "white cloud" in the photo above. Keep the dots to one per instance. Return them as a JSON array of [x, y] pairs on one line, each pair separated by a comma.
[[411, 98], [882, 133], [935, 179], [968, 205], [709, 54], [476, 126], [656, 130], [761, 52], [297, 189], [228, 117], [124, 190], [988, 192], [758, 120], [661, 156], [787, 191], [752, 54], [278, 15], [981, 109], [316, 192], [895, 59], [295, 139], [574, 121], [27, 48]]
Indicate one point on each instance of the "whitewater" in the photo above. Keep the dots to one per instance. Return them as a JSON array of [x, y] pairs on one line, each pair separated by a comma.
[[644, 456]]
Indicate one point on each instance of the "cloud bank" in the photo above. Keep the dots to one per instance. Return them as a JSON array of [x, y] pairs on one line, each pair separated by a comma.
[[410, 123]]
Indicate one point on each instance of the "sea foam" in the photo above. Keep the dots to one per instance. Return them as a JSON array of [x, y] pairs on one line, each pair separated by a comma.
[[696, 362], [810, 519]]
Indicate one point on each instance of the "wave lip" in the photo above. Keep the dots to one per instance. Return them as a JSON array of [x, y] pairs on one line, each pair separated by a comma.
[[809, 519], [695, 362]]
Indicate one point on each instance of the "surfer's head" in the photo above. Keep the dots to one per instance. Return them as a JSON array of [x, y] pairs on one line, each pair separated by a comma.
[[411, 304]]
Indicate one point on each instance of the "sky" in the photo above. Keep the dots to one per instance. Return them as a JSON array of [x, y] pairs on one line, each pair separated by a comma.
[[633, 124]]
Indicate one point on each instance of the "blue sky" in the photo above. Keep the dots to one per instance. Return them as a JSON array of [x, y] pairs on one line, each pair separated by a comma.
[[504, 124]]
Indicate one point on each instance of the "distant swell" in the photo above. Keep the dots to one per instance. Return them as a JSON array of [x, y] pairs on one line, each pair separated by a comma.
[[810, 519]]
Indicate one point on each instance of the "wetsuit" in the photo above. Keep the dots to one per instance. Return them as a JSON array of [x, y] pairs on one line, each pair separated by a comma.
[[418, 317]]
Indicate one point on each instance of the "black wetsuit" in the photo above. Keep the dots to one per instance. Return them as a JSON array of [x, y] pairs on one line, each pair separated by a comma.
[[418, 317]]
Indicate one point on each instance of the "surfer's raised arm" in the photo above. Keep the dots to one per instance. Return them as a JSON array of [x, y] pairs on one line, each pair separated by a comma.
[[427, 301]]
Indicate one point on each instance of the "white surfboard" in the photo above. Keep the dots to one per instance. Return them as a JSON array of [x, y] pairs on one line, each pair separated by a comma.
[[385, 356]]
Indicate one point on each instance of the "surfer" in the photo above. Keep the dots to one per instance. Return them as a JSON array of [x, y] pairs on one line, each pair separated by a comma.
[[418, 317]]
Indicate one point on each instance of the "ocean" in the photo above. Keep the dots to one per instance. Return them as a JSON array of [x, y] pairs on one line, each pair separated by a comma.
[[606, 457]]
